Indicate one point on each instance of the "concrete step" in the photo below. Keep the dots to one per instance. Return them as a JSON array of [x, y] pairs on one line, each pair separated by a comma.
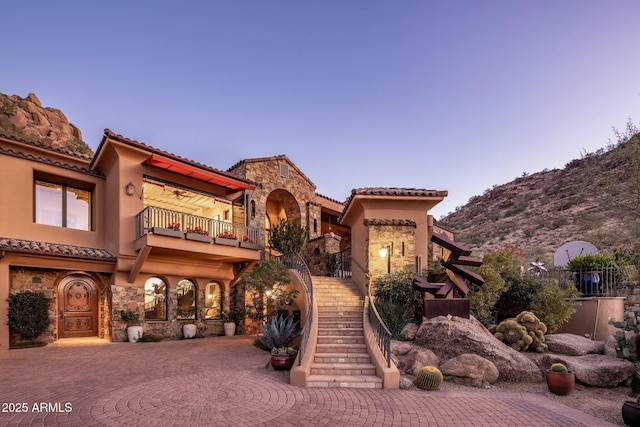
[[340, 332], [356, 324], [343, 369], [344, 339], [342, 358], [344, 381], [341, 348]]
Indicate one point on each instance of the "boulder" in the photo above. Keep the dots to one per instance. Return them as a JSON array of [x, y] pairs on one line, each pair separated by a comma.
[[595, 370], [406, 384], [417, 358], [448, 337], [470, 369], [408, 333], [400, 348], [610, 346], [573, 345]]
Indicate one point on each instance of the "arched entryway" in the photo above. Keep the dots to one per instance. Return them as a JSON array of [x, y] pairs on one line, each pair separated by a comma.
[[77, 307], [281, 204]]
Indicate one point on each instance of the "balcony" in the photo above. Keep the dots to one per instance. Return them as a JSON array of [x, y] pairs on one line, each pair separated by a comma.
[[180, 225]]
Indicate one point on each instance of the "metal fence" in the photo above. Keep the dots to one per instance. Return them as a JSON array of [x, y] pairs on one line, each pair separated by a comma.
[[591, 282], [380, 330]]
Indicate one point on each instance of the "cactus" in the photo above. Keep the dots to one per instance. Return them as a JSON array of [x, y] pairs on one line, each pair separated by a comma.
[[429, 378], [522, 333], [626, 346], [559, 367]]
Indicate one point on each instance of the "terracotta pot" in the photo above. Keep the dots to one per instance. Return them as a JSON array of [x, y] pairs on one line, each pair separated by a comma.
[[631, 414], [282, 362], [560, 383]]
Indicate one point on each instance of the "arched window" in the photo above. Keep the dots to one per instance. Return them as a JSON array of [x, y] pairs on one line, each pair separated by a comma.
[[155, 299], [213, 300], [186, 306]]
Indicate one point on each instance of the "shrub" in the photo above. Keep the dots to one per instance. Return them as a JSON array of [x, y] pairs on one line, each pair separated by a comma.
[[28, 313], [267, 278], [287, 236], [554, 306], [394, 316], [397, 288], [589, 262]]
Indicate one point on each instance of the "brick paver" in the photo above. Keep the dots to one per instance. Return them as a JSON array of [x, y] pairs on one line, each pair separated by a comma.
[[222, 382]]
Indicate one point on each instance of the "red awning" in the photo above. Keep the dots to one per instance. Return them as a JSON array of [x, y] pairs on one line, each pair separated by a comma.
[[194, 172]]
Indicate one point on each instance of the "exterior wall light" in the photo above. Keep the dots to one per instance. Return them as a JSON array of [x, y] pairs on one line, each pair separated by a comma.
[[130, 189]]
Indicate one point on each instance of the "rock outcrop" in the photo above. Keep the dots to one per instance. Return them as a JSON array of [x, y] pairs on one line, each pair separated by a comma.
[[27, 119], [573, 345], [449, 337], [470, 369], [595, 370]]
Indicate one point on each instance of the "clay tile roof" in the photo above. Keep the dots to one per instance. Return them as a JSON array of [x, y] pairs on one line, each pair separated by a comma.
[[374, 221], [53, 249], [26, 156], [328, 198], [61, 150], [391, 191]]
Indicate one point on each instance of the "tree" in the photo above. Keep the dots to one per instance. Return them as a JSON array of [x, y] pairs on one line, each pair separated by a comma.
[[266, 290], [288, 236]]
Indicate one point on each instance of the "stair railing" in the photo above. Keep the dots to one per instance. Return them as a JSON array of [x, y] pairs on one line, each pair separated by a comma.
[[380, 330], [294, 261]]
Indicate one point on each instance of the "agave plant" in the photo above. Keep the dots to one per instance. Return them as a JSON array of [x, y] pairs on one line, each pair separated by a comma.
[[279, 332]]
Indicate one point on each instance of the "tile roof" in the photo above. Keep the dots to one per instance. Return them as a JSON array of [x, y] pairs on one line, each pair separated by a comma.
[[375, 221], [21, 155], [53, 249], [322, 196], [110, 134], [391, 191], [61, 150]]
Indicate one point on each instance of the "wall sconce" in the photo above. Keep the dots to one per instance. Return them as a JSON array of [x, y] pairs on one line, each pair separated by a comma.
[[130, 189], [385, 252]]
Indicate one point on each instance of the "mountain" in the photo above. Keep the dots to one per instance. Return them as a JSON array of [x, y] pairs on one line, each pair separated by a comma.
[[595, 198], [26, 119]]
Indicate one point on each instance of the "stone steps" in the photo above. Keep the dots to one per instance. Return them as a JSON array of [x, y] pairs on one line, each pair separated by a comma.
[[341, 359]]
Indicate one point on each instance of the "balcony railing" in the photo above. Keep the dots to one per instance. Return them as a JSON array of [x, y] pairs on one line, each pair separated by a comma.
[[153, 219], [598, 282]]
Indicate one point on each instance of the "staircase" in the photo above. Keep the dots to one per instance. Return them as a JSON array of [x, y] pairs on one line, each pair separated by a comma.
[[341, 359]]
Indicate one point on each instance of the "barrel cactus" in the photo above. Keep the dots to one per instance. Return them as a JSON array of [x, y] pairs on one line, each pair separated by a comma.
[[522, 333], [429, 378], [559, 367]]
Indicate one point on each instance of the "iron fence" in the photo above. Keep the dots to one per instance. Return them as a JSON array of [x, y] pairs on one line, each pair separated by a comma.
[[380, 330], [592, 282]]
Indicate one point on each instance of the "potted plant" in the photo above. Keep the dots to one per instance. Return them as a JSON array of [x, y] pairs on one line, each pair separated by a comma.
[[586, 270], [198, 233], [134, 330], [189, 329], [226, 238], [631, 406], [560, 380], [277, 336], [230, 317], [172, 229]]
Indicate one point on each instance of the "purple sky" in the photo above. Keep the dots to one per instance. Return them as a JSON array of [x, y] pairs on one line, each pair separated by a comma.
[[449, 95]]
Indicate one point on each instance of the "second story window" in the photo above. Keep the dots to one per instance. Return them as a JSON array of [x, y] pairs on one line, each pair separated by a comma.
[[62, 206]]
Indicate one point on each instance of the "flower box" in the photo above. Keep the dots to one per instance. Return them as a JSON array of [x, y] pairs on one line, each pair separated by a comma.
[[225, 241], [198, 237], [249, 245], [167, 232]]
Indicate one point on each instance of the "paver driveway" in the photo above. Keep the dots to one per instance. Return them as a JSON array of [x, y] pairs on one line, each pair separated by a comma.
[[222, 382]]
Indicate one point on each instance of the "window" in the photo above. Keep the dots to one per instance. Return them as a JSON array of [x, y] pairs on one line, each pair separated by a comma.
[[284, 170], [253, 209], [155, 299], [186, 307], [62, 206], [213, 301]]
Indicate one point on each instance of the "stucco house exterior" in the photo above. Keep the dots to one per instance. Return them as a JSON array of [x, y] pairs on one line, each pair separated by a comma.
[[136, 227]]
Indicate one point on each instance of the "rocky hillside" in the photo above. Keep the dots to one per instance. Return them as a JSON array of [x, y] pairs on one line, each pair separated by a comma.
[[26, 119], [595, 198]]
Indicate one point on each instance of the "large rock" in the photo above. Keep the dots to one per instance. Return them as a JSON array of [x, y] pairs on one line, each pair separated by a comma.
[[573, 345], [417, 358], [595, 370], [451, 336], [409, 331], [470, 369]]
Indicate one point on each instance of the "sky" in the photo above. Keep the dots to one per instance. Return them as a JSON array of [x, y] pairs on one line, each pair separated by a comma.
[[442, 95]]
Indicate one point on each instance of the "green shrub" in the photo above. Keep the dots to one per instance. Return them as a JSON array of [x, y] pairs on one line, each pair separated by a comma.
[[149, 338], [397, 288], [28, 313], [287, 236], [554, 306], [394, 316], [520, 292], [589, 262], [267, 278]]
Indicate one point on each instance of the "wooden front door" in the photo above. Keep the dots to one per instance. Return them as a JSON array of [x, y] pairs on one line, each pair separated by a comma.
[[78, 308]]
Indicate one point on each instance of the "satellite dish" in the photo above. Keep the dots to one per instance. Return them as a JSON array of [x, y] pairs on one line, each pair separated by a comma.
[[571, 250]]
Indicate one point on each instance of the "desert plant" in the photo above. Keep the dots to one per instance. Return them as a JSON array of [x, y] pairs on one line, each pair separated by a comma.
[[288, 236], [429, 378], [279, 332], [554, 305], [559, 367], [397, 288], [28, 313], [522, 333], [589, 262], [283, 351], [394, 316]]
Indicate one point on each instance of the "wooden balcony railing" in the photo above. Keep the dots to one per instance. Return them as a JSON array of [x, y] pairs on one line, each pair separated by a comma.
[[154, 220]]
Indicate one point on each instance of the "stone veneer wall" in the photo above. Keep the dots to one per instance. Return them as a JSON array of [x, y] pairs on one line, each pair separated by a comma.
[[631, 292], [45, 281], [380, 236], [315, 253]]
